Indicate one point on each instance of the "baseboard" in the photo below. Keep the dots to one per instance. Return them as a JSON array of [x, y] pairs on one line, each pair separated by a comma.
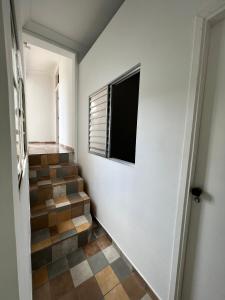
[[33, 142], [151, 292]]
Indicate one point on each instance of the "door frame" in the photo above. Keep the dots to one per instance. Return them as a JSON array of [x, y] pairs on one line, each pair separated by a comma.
[[202, 26]]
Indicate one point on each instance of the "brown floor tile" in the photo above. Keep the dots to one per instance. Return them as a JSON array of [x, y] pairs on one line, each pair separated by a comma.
[[77, 210], [53, 159], [83, 227], [40, 277], [52, 173], [72, 295], [39, 222], [89, 290], [65, 226], [45, 193], [106, 279], [63, 214], [91, 248], [41, 245], [117, 293], [61, 285], [42, 293], [44, 160], [52, 220], [134, 287], [38, 208], [103, 242]]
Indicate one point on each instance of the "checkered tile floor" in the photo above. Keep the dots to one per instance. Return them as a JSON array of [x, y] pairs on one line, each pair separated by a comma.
[[94, 272]]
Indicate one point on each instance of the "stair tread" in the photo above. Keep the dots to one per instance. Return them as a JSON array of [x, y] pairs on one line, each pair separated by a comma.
[[66, 164], [58, 202], [54, 182], [47, 237]]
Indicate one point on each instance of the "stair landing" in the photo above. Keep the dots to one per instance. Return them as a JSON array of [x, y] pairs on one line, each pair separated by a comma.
[[44, 148]]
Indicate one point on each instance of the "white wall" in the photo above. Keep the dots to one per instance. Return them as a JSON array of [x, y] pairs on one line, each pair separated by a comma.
[[67, 116], [137, 204], [40, 102], [15, 262]]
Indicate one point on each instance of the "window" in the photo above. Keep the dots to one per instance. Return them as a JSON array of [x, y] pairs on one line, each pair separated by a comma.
[[124, 107], [19, 102], [98, 122], [113, 118]]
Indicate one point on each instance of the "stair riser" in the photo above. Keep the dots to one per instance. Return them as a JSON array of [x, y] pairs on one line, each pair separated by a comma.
[[41, 194], [50, 159], [58, 215], [50, 172], [59, 250]]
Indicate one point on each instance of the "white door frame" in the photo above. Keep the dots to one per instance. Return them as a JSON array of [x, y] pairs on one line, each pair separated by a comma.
[[192, 125]]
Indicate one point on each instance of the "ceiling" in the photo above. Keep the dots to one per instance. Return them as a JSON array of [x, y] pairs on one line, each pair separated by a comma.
[[40, 60], [79, 20]]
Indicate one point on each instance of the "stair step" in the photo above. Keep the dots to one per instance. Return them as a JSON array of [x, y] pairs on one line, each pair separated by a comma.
[[50, 158], [47, 189], [53, 211], [51, 243], [63, 170]]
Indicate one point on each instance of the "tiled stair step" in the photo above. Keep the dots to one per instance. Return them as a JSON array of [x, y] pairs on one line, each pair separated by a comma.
[[49, 244], [50, 159], [54, 211], [63, 170], [53, 188]]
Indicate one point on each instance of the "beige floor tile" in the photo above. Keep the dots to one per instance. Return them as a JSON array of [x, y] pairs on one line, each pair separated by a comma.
[[106, 279], [117, 293]]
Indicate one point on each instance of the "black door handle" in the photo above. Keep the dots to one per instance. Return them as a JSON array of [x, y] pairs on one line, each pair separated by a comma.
[[196, 192]]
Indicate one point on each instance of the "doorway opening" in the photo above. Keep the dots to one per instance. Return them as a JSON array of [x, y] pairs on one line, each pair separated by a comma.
[[50, 93]]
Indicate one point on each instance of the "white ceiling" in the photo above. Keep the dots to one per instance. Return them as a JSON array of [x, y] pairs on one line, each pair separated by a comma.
[[40, 60], [78, 20]]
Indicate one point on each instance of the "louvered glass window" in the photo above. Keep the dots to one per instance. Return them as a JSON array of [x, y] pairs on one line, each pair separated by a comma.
[[98, 122]]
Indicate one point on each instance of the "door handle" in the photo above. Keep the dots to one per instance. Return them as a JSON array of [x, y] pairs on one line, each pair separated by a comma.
[[196, 193]]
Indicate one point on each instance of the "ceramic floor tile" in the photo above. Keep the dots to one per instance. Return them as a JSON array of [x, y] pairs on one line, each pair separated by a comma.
[[60, 200], [64, 247], [111, 253], [91, 248], [79, 220], [44, 182], [146, 297], [41, 245], [59, 191], [40, 235], [97, 262], [42, 293], [83, 227], [81, 273], [40, 277], [65, 226], [89, 290], [76, 257], [117, 293], [66, 203], [57, 267], [121, 268], [75, 198], [50, 203], [103, 242], [61, 285], [71, 295], [106, 279], [134, 287]]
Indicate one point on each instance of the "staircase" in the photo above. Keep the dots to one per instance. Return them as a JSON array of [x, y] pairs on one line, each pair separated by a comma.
[[60, 209]]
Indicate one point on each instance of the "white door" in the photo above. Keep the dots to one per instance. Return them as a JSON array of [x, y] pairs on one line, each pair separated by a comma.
[[204, 274]]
